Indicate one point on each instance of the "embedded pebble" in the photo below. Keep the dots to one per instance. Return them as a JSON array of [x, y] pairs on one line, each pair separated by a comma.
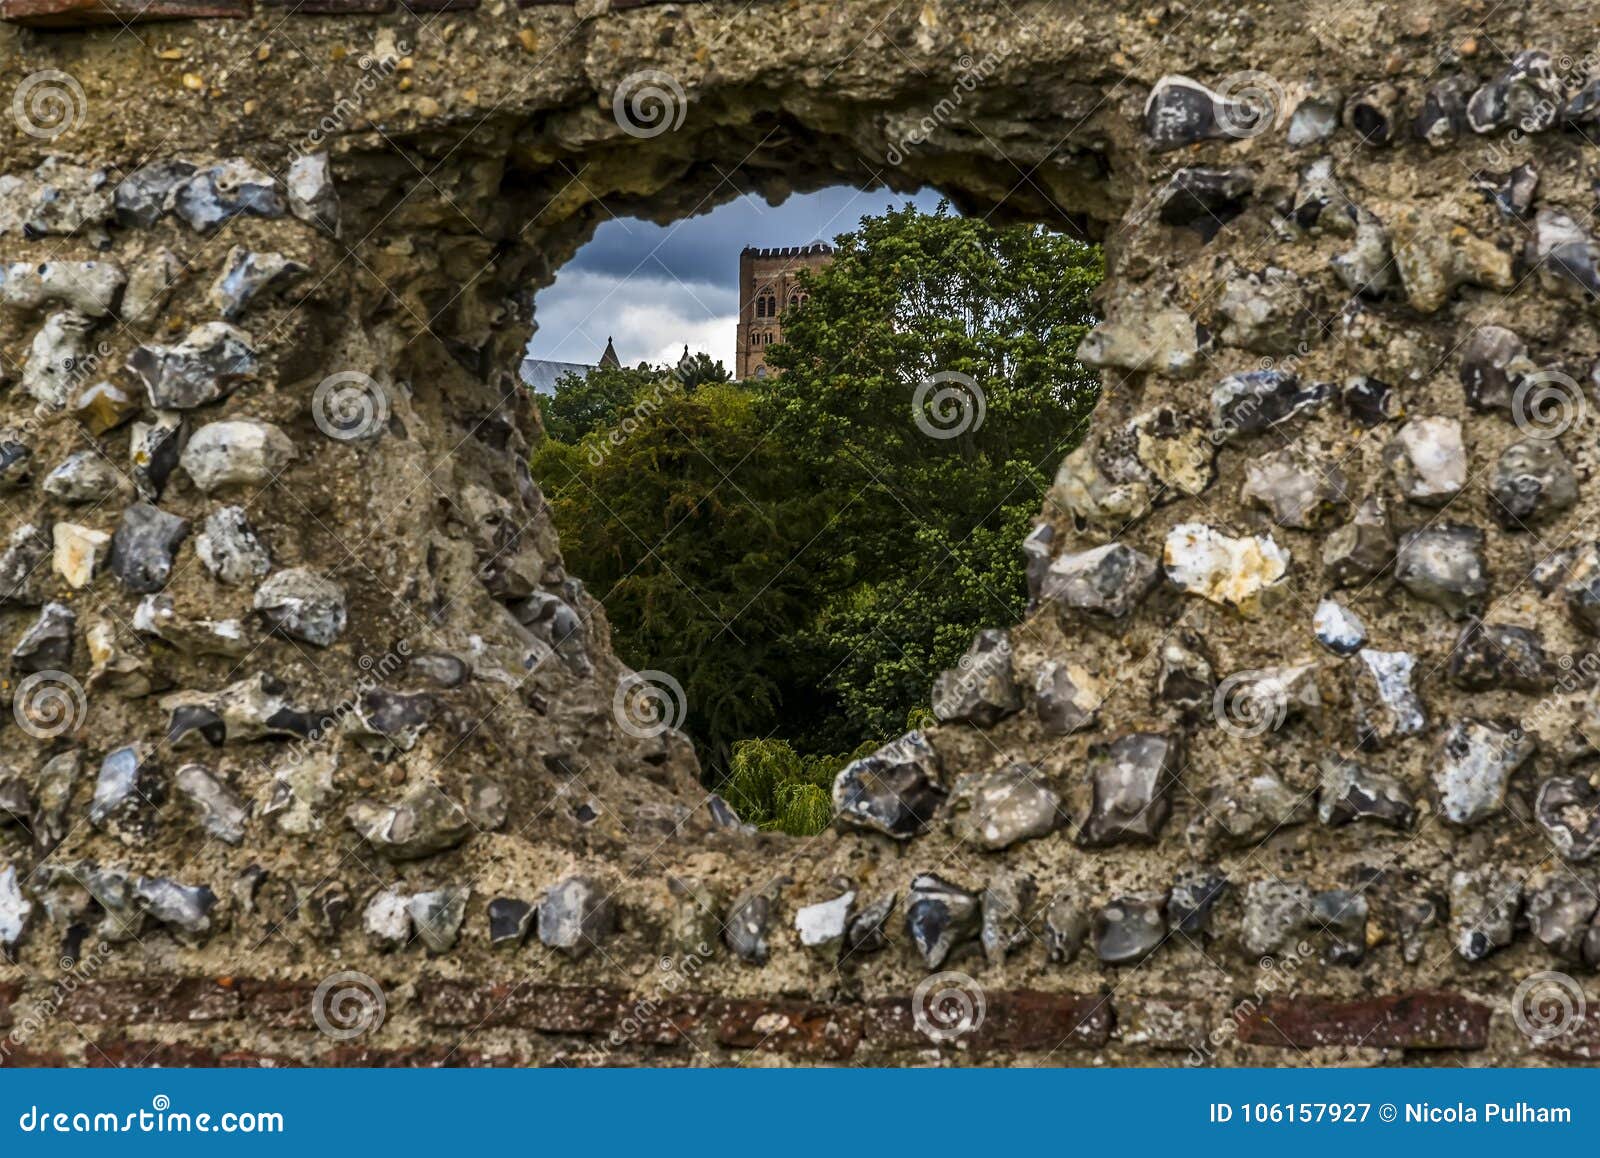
[[1338, 629], [303, 604], [981, 690], [1444, 564], [1104, 583], [243, 453], [1476, 760], [995, 810], [229, 548], [1201, 560], [895, 791]]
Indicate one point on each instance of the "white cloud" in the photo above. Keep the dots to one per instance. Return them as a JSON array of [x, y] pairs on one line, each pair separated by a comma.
[[649, 318]]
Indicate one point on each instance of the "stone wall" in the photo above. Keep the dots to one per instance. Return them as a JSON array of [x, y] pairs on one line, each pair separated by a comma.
[[315, 752]]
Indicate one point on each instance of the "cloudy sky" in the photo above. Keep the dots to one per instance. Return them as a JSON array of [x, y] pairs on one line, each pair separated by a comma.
[[654, 288]]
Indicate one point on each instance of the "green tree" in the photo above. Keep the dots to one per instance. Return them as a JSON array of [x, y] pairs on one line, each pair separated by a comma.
[[930, 379], [805, 552]]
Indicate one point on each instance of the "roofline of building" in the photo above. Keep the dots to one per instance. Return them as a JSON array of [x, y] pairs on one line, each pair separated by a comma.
[[816, 247]]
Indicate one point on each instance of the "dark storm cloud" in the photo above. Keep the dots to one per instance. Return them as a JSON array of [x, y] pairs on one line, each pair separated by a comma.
[[705, 249]]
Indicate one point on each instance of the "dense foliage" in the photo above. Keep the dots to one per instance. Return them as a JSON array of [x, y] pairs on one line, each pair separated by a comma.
[[806, 552]]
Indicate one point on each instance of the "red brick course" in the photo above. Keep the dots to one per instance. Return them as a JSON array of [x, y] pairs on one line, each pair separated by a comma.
[[1431, 1020]]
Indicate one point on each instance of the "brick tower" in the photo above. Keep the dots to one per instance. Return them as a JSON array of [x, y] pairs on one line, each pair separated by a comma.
[[768, 285]]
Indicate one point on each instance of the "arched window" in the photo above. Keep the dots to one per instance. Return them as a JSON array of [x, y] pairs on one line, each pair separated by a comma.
[[761, 371], [794, 300]]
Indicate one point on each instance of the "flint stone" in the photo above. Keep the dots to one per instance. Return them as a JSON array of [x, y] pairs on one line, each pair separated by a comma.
[[1475, 763], [1296, 489], [312, 196], [127, 795], [79, 552], [1528, 94], [1180, 112], [150, 284], [22, 566], [1386, 706], [1532, 482], [575, 916], [1066, 698], [1066, 927], [1350, 791], [246, 275], [1443, 117], [1484, 903], [1369, 401], [1265, 313], [387, 920], [251, 709], [1204, 198], [509, 921], [895, 791], [1195, 892], [1428, 460], [422, 822], [1176, 452], [223, 812], [1158, 339], [1568, 809], [1560, 911], [1130, 783], [1258, 400], [866, 930], [1566, 253], [1511, 192], [1106, 582], [209, 364], [1130, 928], [209, 197], [994, 810], [824, 924], [748, 924], [143, 547], [1315, 118], [1580, 587], [141, 196], [82, 478], [15, 909], [437, 915], [47, 645], [56, 357], [1184, 674], [1361, 549], [1338, 629], [157, 615], [1006, 902], [303, 604], [153, 453], [237, 453], [88, 288], [1201, 560], [1488, 656], [1246, 813], [184, 909], [982, 689], [1494, 362], [229, 548], [1444, 564], [940, 917], [1367, 268]]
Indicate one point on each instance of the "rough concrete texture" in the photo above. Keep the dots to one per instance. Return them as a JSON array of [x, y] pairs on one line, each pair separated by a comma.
[[1400, 857]]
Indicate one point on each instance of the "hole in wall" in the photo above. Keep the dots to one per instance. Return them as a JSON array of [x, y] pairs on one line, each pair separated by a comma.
[[794, 450]]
